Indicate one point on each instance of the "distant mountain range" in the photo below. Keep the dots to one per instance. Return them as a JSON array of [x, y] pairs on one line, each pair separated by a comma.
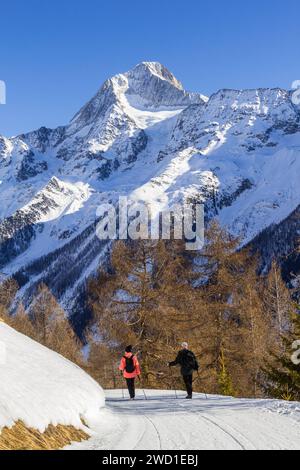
[[144, 136]]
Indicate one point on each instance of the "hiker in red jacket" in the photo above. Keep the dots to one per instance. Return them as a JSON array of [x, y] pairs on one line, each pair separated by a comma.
[[130, 369]]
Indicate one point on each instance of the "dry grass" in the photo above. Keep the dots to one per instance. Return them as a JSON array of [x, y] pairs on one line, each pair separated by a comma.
[[19, 437]]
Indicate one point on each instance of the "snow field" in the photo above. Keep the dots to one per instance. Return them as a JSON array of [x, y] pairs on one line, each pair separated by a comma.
[[40, 387]]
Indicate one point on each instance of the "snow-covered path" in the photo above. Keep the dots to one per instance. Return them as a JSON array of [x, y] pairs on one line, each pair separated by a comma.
[[163, 422]]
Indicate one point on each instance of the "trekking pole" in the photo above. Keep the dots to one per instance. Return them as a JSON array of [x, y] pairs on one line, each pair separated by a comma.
[[173, 383], [143, 389], [123, 393], [204, 392]]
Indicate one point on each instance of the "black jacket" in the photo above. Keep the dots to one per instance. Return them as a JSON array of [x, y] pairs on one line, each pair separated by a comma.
[[187, 360]]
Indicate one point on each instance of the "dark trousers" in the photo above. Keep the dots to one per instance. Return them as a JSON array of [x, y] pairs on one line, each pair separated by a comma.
[[131, 387], [188, 380]]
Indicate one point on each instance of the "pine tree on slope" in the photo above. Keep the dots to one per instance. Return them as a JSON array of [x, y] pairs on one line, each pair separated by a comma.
[[283, 375]]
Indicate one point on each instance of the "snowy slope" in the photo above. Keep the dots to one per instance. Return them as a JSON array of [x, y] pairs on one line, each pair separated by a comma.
[[144, 136], [40, 387], [163, 422]]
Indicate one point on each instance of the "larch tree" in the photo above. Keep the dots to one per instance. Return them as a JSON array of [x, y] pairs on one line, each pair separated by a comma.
[[8, 291], [277, 301], [51, 325], [140, 301], [103, 363], [21, 322], [256, 326], [282, 373], [216, 320]]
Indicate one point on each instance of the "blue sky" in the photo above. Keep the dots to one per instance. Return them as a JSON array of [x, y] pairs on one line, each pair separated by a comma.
[[54, 55]]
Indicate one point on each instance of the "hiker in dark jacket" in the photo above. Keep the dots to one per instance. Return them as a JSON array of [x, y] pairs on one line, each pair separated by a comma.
[[130, 368], [188, 362]]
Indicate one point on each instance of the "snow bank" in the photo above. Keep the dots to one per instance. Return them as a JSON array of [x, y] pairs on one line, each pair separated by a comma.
[[40, 387]]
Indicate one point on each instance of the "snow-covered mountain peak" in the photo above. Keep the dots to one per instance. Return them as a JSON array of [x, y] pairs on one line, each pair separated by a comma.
[[142, 134], [149, 85], [155, 68], [260, 100]]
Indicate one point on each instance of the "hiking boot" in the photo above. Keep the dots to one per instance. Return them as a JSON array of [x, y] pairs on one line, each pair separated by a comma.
[[189, 397]]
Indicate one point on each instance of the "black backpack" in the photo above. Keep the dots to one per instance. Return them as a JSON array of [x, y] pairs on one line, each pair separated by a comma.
[[190, 361], [130, 367]]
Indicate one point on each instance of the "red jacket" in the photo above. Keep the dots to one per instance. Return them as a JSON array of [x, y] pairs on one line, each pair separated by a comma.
[[122, 366]]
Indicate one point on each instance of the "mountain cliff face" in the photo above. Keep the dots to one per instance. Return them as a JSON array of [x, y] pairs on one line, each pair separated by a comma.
[[144, 136]]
